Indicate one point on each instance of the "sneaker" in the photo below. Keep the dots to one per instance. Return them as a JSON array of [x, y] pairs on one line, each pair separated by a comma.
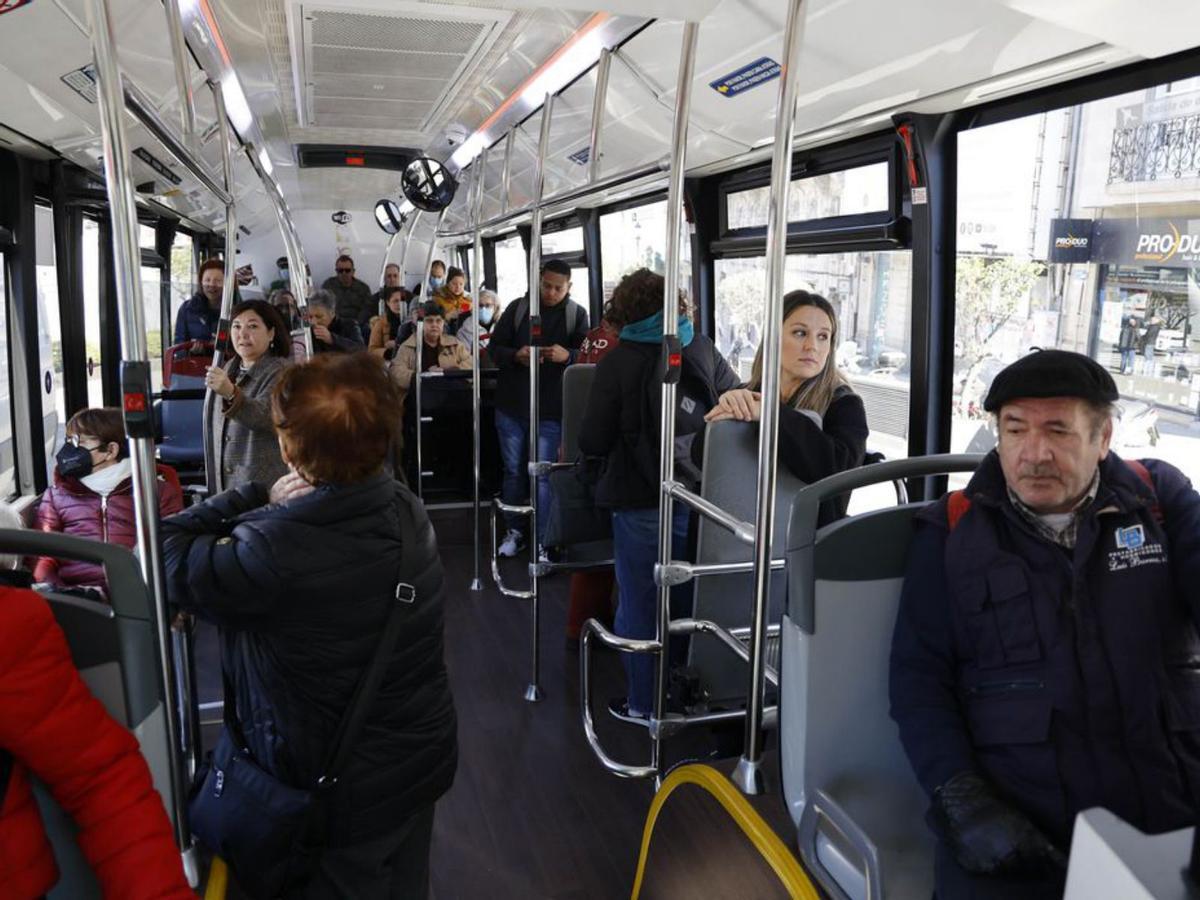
[[544, 555], [619, 709], [513, 543]]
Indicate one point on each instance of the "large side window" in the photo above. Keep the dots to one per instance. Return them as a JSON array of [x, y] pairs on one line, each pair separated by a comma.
[[8, 468], [1079, 228], [636, 238], [50, 373], [183, 278], [91, 311], [512, 275]]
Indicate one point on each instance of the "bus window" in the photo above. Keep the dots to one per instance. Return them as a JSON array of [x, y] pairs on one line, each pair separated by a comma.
[[183, 278], [512, 275], [8, 471], [54, 404], [91, 311], [581, 293], [872, 293], [152, 310], [1079, 228], [146, 238], [846, 192], [569, 240], [631, 239]]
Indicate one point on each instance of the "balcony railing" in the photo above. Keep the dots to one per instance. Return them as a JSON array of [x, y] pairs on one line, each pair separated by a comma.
[[1156, 151]]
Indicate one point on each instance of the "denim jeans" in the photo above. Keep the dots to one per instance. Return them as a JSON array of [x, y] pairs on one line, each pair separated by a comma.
[[1128, 361], [514, 451], [635, 551]]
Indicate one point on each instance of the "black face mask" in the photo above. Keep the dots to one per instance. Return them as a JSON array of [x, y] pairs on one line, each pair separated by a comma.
[[74, 462]]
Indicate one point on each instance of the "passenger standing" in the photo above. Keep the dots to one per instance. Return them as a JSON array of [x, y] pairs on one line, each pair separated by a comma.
[[197, 318], [332, 333], [479, 321], [1127, 345], [623, 424], [92, 496], [352, 295], [564, 326], [242, 432], [301, 580], [1148, 342], [822, 422], [384, 329]]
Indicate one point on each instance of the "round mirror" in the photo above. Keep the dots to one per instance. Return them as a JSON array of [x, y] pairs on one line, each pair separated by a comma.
[[428, 185], [388, 216]]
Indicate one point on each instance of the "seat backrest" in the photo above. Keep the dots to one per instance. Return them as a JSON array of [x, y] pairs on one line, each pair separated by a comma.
[[729, 471], [115, 649], [576, 386], [183, 424]]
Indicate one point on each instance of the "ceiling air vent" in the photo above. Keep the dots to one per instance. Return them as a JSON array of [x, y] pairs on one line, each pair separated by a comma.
[[393, 68]]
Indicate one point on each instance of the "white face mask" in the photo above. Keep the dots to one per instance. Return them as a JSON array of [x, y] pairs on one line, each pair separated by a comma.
[[485, 314]]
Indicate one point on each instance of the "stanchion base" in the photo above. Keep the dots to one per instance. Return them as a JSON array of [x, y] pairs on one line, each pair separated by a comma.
[[191, 866], [533, 694], [476, 584], [748, 776]]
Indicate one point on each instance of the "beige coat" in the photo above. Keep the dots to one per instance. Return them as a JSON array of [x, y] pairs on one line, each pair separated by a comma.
[[451, 355]]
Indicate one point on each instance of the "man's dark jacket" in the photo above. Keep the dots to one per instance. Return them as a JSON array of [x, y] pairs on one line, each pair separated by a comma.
[[196, 320], [301, 592], [1069, 680], [512, 380], [347, 338]]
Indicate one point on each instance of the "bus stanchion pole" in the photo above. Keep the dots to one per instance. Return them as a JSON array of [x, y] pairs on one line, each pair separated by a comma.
[[135, 386], [748, 774], [534, 691], [666, 460], [476, 395]]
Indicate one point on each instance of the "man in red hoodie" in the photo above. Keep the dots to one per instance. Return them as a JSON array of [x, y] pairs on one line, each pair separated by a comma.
[[53, 728]]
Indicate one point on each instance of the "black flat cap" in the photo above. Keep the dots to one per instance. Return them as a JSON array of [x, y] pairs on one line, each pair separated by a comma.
[[1052, 373]]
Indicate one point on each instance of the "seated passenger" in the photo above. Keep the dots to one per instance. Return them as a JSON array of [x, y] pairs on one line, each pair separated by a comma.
[[331, 333], [437, 278], [198, 317], [285, 304], [822, 423], [451, 299], [479, 321], [1044, 655], [382, 343], [622, 423], [352, 295], [301, 580], [242, 433], [53, 728], [92, 497], [439, 351]]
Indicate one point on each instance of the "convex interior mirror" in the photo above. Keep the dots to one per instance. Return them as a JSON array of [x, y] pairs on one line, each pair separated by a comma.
[[388, 216], [428, 185]]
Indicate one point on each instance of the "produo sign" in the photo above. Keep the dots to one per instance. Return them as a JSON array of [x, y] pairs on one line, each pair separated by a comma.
[[1169, 243]]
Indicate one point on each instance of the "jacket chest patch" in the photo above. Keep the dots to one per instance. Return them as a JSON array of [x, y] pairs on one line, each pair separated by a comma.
[[688, 405], [1132, 550]]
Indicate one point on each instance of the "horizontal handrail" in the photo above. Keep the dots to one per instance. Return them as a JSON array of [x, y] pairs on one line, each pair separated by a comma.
[[681, 571], [592, 628], [516, 510], [704, 626], [143, 110], [743, 531]]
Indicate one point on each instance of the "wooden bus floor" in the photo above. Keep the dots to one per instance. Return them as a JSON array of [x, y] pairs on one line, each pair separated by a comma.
[[532, 813]]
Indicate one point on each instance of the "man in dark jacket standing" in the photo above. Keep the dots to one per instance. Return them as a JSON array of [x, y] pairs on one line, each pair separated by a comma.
[[353, 296], [564, 326], [1044, 655], [1127, 345]]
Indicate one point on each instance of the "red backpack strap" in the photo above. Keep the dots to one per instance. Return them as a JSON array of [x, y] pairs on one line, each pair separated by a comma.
[[1139, 469], [957, 504]]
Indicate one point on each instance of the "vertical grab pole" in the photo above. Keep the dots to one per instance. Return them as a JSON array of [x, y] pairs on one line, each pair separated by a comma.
[[416, 220], [748, 774], [383, 271], [666, 460], [533, 692], [212, 461], [476, 400], [134, 369], [420, 415], [599, 98], [183, 83], [506, 172], [426, 293]]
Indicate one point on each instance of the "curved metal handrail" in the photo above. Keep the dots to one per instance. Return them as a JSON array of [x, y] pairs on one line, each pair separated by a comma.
[[625, 645]]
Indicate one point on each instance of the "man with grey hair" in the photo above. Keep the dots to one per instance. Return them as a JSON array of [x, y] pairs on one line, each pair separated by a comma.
[[331, 333]]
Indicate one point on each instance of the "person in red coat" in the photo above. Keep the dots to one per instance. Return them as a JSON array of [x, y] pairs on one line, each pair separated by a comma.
[[92, 496], [53, 728]]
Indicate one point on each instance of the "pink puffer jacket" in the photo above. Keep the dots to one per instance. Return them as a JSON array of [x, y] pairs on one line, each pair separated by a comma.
[[69, 507]]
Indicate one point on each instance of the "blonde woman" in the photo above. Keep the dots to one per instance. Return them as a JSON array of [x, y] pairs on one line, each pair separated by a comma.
[[822, 424]]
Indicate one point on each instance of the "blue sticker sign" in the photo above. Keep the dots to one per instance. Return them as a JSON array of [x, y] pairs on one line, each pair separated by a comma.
[[750, 75], [581, 157]]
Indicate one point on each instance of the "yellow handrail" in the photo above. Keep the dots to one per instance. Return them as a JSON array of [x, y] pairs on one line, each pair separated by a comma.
[[218, 880], [760, 834]]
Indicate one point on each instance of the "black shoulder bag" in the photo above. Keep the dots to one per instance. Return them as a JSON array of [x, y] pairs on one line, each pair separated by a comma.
[[271, 833]]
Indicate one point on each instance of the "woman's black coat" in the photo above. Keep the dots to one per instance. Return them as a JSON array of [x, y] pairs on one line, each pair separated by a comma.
[[301, 592]]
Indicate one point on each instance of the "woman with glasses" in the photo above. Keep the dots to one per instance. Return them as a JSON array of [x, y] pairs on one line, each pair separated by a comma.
[[92, 497]]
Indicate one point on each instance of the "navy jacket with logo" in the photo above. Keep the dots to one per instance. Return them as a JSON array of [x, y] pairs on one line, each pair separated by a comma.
[[1070, 680]]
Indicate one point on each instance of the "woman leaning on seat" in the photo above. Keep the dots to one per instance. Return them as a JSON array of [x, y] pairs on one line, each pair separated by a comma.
[[622, 424], [822, 423], [270, 568], [243, 435], [92, 496]]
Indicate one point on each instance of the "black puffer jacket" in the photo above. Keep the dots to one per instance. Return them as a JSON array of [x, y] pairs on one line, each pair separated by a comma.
[[301, 592]]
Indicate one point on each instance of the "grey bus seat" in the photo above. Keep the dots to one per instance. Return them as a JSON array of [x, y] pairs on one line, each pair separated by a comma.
[[847, 781], [576, 386], [115, 649], [728, 480]]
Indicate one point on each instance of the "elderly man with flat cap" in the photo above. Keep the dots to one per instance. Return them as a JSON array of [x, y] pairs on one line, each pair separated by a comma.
[[1045, 658]]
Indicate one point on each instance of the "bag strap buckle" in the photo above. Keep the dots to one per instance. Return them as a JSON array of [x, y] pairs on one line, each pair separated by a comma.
[[406, 593]]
